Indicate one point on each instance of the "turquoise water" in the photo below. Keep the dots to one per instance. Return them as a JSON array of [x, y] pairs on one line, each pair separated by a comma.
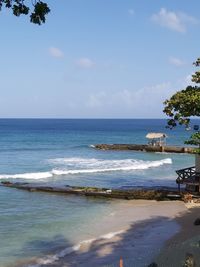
[[59, 152]]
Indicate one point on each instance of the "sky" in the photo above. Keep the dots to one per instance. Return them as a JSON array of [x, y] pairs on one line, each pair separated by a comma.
[[97, 58]]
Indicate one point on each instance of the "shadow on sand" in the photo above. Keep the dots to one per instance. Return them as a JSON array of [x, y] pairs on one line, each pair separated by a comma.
[[138, 246]]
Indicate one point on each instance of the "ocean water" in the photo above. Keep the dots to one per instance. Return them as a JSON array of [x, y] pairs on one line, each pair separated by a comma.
[[60, 152]]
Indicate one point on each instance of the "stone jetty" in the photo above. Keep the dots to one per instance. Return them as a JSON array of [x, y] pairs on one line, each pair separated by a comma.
[[146, 148]]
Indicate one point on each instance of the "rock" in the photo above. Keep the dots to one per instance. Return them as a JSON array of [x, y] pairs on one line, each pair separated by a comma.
[[187, 198], [153, 264], [197, 200], [189, 261], [197, 221], [6, 183], [32, 190]]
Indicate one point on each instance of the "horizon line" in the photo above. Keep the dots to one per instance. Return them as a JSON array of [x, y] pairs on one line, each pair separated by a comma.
[[77, 118]]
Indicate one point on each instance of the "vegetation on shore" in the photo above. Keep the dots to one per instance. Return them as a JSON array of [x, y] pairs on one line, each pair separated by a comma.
[[194, 140]]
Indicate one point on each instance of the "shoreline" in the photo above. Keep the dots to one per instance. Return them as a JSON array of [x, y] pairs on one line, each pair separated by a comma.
[[185, 242], [135, 231]]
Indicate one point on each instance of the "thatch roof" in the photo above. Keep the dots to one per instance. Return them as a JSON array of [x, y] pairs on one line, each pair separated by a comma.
[[155, 135]]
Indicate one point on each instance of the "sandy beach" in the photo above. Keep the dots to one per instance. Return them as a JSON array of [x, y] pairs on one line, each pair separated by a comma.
[[99, 133], [136, 231], [186, 242]]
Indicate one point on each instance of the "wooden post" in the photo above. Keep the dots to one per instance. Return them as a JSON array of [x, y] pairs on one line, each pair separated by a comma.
[[179, 187], [121, 262]]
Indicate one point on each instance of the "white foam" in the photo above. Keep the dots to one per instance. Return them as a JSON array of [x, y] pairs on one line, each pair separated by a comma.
[[74, 160], [34, 175], [93, 146], [112, 234], [83, 166], [96, 165], [69, 250]]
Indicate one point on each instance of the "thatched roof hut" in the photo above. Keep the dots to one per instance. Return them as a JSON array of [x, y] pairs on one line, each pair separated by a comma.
[[156, 135], [156, 139]]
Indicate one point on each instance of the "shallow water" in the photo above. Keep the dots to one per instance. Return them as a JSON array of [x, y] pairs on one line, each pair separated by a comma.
[[59, 152]]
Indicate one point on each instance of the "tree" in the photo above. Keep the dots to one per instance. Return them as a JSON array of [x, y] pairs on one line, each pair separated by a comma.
[[185, 103], [37, 9], [194, 140]]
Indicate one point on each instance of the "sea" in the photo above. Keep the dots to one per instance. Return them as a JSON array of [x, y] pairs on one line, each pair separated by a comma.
[[61, 152]]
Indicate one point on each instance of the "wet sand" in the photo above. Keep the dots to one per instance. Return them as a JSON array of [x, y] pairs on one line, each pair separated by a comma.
[[136, 231]]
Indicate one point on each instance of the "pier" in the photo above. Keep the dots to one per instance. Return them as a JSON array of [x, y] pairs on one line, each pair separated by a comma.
[[145, 148]]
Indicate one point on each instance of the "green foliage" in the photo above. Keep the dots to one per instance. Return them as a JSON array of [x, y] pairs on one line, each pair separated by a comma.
[[185, 103], [196, 76], [194, 140], [37, 13]]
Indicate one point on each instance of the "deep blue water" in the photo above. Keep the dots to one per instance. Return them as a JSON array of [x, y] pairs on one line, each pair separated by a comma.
[[57, 151]]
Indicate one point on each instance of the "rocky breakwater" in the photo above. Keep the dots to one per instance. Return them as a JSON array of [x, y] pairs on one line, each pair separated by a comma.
[[145, 193], [146, 148]]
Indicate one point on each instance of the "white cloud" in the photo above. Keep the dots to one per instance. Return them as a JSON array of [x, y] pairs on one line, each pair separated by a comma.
[[85, 63], [176, 21], [188, 80], [131, 12], [145, 102], [56, 52], [187, 18], [96, 100], [176, 61]]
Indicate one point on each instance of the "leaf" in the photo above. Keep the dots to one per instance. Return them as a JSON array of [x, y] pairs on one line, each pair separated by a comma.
[[39, 9]]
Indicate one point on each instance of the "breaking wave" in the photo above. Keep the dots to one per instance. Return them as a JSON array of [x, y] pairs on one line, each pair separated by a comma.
[[90, 165], [34, 175]]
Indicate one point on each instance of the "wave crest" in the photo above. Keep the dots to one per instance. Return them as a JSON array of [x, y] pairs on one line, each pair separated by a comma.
[[83, 166], [33, 175]]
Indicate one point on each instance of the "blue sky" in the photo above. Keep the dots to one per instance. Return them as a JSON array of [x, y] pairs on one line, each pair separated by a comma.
[[98, 58]]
